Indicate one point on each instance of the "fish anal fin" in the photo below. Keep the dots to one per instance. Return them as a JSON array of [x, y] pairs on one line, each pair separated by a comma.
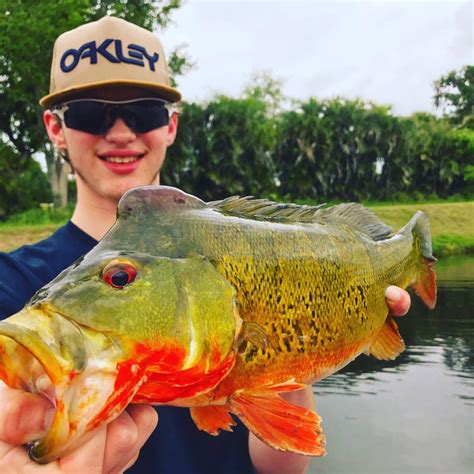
[[388, 343], [212, 418], [280, 424]]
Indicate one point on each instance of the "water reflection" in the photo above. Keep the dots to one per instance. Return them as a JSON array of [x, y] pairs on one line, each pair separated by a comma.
[[399, 416]]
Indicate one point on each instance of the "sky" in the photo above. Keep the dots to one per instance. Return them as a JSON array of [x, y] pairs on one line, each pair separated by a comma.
[[387, 52]]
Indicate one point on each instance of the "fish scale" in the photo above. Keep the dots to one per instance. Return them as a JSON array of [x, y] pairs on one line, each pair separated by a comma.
[[291, 301]]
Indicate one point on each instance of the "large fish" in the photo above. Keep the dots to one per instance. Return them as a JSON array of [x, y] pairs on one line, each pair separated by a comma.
[[215, 306]]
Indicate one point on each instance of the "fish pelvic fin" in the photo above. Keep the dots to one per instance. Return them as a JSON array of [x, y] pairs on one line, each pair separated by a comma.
[[212, 418], [425, 281], [388, 343], [280, 424]]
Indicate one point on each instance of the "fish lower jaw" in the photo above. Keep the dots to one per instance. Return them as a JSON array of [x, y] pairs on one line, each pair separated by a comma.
[[77, 402]]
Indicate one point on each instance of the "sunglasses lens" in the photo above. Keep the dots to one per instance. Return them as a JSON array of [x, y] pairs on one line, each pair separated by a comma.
[[86, 116], [145, 115], [97, 117]]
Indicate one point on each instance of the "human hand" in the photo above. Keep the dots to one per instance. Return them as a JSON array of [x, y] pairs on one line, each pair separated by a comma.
[[398, 300], [111, 449]]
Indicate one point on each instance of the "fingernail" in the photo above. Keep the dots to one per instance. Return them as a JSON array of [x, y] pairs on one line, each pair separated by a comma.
[[48, 418], [34, 436], [392, 293]]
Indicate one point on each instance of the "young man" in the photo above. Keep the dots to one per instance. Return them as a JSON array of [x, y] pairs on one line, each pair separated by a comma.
[[106, 113]]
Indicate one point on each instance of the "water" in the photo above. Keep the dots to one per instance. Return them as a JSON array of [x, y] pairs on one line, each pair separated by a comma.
[[414, 414]]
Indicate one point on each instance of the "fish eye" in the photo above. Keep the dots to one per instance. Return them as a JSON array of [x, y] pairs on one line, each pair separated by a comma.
[[119, 274]]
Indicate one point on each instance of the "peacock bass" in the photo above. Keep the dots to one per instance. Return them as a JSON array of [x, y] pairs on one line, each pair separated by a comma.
[[215, 306]]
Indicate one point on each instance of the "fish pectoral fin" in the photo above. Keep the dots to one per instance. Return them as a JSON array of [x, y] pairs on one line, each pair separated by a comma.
[[288, 386], [212, 418], [388, 343], [254, 334], [280, 424]]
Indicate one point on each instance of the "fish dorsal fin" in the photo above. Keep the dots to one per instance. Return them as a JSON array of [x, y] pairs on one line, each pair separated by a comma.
[[263, 209], [358, 217], [352, 214]]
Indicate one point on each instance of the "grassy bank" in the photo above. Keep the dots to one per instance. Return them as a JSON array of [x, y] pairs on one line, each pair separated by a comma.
[[452, 225]]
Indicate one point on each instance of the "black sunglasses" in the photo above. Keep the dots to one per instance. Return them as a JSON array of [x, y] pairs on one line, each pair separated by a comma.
[[97, 116]]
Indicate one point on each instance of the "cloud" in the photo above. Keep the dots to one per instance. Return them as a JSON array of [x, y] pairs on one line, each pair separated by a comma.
[[387, 52]]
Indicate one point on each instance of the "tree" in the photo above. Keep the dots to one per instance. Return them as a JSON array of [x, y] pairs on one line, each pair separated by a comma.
[[223, 148], [28, 29], [454, 94], [22, 183], [339, 149]]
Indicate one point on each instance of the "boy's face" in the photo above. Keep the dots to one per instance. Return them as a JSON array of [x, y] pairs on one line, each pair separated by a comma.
[[110, 164]]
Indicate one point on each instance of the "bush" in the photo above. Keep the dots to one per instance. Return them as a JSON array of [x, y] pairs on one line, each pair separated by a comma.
[[23, 185], [41, 216]]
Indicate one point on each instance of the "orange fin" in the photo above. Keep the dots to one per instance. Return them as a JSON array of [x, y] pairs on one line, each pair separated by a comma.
[[388, 343], [280, 424], [289, 386], [425, 285], [418, 229], [212, 418]]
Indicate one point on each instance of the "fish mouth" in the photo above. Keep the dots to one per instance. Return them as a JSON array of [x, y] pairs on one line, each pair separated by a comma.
[[42, 351]]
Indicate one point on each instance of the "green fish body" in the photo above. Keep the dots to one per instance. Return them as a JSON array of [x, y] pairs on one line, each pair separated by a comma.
[[216, 306]]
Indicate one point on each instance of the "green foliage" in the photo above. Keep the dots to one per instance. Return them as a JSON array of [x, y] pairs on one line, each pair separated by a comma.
[[469, 174], [332, 150], [437, 157], [22, 183], [444, 245], [40, 216], [263, 88], [223, 148], [338, 149], [454, 94]]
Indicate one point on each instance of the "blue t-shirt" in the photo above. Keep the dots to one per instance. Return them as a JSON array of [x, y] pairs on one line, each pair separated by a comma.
[[176, 446]]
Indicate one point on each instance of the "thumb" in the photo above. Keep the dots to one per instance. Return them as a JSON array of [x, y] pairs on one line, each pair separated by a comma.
[[24, 416]]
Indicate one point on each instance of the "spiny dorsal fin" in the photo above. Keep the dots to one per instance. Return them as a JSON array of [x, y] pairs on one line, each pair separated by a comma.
[[359, 217], [352, 214], [263, 209]]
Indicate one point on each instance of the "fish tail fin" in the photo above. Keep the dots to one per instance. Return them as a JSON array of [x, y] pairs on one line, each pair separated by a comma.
[[424, 283]]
